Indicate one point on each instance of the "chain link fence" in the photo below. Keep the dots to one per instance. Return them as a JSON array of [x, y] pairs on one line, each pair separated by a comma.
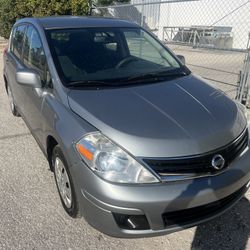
[[211, 34]]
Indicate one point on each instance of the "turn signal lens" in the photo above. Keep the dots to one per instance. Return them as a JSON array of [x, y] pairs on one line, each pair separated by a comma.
[[84, 152]]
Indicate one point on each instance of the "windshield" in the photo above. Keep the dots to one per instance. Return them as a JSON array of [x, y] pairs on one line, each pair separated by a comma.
[[108, 54]]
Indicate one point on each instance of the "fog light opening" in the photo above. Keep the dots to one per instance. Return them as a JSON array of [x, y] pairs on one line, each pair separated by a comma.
[[131, 222]]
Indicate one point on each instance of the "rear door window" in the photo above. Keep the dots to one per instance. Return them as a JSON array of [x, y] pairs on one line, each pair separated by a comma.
[[33, 54], [12, 39], [17, 41]]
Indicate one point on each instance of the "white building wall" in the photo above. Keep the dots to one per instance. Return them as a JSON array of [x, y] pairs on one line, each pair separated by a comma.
[[151, 13], [209, 12]]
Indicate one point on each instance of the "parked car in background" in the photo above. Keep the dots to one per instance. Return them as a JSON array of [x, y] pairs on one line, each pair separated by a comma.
[[137, 143]]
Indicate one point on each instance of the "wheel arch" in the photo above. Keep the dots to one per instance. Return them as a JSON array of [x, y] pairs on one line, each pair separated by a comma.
[[51, 142], [5, 83]]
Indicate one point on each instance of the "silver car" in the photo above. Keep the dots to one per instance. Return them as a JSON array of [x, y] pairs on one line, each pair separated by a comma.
[[138, 145]]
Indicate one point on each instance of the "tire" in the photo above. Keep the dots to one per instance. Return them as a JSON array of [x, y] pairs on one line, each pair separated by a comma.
[[64, 183], [11, 102]]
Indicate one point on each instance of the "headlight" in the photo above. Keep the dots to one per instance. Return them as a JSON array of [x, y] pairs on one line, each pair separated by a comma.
[[111, 162]]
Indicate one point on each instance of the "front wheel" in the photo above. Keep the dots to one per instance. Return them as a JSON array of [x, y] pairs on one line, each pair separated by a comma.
[[64, 183]]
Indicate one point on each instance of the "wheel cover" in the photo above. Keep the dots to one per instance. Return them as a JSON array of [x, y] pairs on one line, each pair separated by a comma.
[[63, 183]]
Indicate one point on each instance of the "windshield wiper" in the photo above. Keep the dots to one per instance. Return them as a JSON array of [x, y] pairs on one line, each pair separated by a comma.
[[90, 83], [146, 77], [155, 76]]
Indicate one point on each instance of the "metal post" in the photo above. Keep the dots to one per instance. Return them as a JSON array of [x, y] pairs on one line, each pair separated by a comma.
[[194, 41], [90, 8], [142, 24], [243, 90], [142, 14]]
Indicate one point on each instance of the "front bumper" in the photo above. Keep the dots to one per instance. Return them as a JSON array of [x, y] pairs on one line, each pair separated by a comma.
[[167, 207]]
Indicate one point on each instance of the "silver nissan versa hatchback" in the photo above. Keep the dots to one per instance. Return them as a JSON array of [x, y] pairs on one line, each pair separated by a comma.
[[138, 145]]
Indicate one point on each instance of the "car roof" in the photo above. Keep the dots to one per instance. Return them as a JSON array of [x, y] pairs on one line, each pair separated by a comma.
[[54, 22]]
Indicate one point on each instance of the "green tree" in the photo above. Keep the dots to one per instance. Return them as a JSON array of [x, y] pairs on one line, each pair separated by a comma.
[[12, 10], [7, 17]]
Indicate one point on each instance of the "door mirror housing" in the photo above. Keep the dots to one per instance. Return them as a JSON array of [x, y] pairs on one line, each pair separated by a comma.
[[29, 78], [182, 59]]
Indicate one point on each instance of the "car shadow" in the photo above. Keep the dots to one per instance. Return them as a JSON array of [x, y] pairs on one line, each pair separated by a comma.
[[228, 231]]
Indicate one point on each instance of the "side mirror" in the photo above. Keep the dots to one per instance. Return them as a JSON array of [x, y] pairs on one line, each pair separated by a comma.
[[182, 59], [28, 77]]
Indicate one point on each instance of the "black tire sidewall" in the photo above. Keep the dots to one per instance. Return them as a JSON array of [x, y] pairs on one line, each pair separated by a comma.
[[73, 211], [14, 110]]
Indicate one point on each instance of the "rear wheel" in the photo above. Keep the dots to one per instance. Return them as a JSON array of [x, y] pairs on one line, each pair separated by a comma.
[[11, 102], [64, 183]]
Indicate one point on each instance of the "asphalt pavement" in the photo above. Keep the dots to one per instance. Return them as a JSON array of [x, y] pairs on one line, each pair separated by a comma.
[[31, 216]]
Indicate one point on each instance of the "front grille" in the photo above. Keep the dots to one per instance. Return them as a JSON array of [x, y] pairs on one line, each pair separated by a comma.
[[191, 215], [198, 164]]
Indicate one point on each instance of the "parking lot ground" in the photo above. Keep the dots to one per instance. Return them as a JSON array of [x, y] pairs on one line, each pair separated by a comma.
[[31, 216], [222, 66]]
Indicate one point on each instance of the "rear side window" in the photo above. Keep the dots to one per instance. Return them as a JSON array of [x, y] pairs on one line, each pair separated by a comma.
[[33, 53], [17, 41]]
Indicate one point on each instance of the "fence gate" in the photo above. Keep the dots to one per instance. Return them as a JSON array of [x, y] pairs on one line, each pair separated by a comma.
[[211, 34]]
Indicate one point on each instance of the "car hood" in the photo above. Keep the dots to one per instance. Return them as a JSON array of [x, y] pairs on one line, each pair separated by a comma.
[[180, 117]]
